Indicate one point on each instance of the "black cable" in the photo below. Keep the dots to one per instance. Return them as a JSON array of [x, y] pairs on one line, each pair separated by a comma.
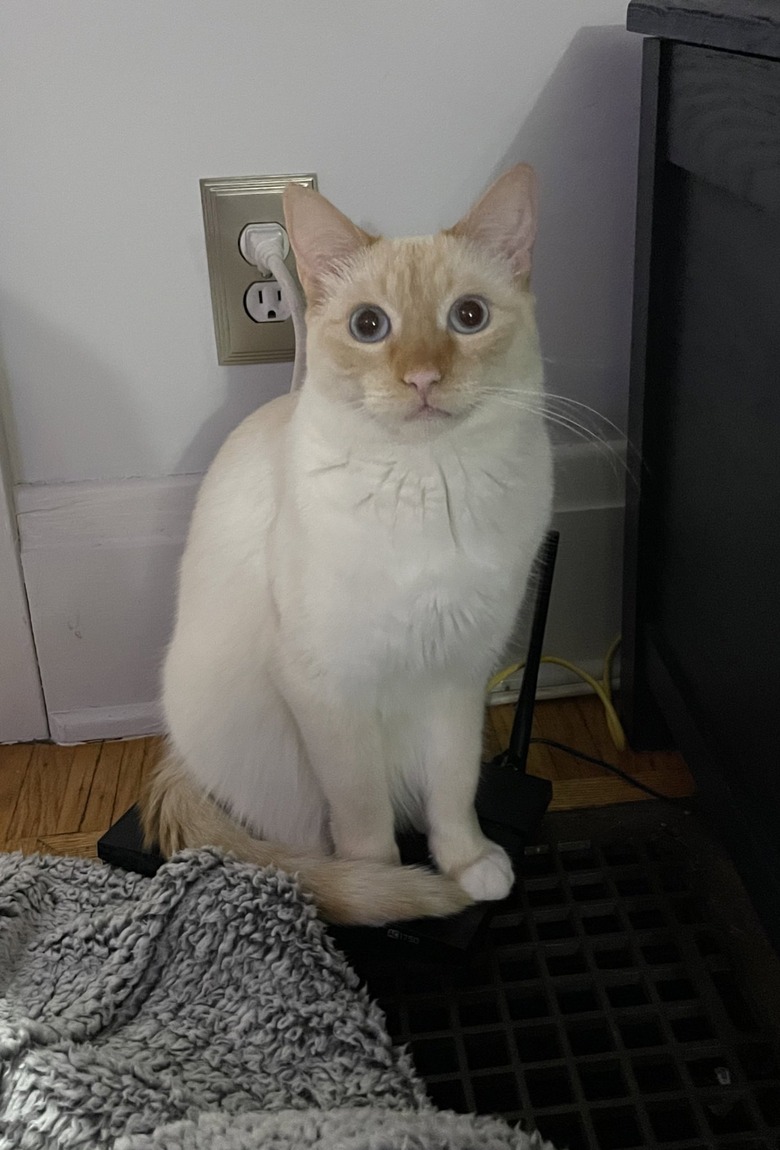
[[607, 767]]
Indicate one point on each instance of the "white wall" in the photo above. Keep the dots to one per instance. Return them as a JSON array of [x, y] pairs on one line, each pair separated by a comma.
[[22, 712], [111, 111]]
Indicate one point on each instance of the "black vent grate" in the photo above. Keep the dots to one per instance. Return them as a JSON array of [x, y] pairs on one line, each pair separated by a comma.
[[603, 1009]]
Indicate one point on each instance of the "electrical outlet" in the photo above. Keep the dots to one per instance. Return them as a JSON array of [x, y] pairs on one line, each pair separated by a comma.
[[265, 302], [229, 204]]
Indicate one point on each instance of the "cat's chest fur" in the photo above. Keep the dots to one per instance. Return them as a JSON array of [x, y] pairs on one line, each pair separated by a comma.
[[417, 558]]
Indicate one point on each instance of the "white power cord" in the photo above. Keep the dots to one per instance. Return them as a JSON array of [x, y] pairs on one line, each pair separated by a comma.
[[265, 246]]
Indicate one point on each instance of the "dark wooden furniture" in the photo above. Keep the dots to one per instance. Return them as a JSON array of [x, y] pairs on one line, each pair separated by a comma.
[[701, 623]]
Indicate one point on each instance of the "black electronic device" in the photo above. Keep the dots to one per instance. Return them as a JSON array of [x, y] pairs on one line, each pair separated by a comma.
[[701, 629]]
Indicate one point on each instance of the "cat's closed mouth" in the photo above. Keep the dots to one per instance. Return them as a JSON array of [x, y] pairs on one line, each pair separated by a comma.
[[426, 412]]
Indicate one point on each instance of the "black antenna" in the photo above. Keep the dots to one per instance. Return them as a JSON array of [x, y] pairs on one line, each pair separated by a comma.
[[519, 741]]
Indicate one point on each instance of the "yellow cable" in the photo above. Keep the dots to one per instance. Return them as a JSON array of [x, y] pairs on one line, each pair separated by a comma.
[[603, 688], [499, 678], [613, 722]]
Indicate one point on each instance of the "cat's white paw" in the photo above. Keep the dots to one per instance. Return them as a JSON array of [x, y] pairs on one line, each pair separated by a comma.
[[489, 878]]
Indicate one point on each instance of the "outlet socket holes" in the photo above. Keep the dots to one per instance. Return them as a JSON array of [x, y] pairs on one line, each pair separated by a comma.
[[265, 303]]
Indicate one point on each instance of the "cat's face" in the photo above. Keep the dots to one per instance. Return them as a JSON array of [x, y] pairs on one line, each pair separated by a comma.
[[420, 333]]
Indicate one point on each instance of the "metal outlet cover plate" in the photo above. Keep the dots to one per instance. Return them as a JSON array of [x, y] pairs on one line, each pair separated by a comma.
[[229, 204]]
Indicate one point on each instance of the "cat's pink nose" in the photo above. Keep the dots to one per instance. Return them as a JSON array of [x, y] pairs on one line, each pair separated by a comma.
[[422, 380]]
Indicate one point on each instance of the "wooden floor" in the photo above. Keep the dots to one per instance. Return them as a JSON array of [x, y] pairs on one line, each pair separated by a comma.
[[60, 800]]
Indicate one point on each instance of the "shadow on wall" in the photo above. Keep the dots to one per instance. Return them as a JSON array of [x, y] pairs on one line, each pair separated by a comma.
[[79, 381], [102, 606], [85, 560], [582, 137], [100, 557], [100, 387], [246, 388], [9, 454]]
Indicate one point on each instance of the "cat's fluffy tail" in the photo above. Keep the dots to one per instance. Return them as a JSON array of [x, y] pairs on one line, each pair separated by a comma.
[[176, 814]]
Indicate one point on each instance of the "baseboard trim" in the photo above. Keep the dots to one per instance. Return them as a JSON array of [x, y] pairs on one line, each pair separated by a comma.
[[100, 563], [554, 682], [126, 512], [133, 720]]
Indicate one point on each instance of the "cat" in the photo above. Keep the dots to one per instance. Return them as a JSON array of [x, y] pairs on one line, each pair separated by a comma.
[[356, 561]]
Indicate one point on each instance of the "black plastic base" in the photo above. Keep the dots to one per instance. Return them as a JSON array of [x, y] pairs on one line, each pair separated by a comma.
[[511, 806], [122, 846]]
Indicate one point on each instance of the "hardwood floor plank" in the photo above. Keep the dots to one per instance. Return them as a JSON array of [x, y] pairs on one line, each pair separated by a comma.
[[580, 722], [14, 763], [541, 760], [501, 719], [28, 846], [102, 793], [565, 724], [138, 758], [80, 779], [43, 794], [62, 799], [572, 794], [82, 844]]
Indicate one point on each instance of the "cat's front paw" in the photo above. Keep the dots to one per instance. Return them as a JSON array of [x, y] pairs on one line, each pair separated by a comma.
[[490, 877]]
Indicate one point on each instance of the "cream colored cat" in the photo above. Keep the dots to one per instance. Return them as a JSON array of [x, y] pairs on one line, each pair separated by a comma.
[[356, 561]]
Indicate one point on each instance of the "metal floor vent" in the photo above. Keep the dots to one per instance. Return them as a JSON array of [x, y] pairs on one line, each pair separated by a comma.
[[603, 1009]]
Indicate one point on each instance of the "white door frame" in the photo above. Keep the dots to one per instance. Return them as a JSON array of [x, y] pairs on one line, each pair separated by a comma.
[[22, 708]]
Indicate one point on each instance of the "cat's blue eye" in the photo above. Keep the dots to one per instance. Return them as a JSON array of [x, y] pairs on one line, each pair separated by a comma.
[[469, 314], [369, 324]]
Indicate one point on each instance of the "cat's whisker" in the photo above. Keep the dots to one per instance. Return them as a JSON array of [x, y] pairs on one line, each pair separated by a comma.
[[543, 408], [550, 398], [572, 362], [566, 400], [574, 427], [551, 395]]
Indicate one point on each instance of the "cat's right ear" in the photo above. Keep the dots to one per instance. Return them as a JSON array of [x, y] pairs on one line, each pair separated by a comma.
[[503, 221], [322, 237]]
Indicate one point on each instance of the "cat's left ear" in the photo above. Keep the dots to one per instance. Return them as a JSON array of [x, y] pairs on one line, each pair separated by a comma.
[[503, 221], [322, 237]]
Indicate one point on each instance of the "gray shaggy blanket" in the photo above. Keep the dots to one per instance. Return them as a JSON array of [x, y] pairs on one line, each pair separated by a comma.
[[202, 1009]]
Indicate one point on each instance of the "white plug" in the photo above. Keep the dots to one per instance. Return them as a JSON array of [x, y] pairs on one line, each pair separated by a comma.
[[266, 246], [258, 242]]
